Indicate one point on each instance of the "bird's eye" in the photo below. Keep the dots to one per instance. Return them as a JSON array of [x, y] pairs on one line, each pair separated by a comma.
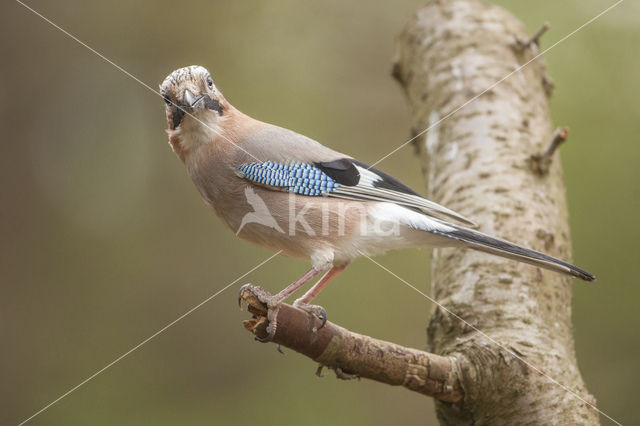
[[166, 100], [209, 82]]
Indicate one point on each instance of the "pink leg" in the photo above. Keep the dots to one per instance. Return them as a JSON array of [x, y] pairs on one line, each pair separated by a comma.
[[318, 311], [291, 288], [317, 288], [273, 302]]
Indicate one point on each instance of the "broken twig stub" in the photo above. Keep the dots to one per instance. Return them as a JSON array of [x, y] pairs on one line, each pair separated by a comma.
[[540, 163]]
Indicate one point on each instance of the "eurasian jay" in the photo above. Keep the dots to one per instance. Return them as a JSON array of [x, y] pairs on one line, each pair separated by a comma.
[[287, 192]]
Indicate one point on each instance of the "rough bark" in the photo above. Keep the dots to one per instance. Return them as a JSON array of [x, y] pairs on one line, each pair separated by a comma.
[[478, 162]]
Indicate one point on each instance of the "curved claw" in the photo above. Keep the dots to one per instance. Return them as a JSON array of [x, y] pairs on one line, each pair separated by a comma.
[[262, 339], [323, 318], [250, 294], [240, 298], [271, 330], [315, 310]]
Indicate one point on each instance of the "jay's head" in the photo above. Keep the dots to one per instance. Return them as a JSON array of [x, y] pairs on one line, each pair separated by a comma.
[[188, 92]]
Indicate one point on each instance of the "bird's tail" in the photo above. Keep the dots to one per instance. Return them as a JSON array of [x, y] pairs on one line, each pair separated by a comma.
[[482, 242]]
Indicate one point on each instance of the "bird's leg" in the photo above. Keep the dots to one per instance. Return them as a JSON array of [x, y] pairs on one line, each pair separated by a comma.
[[273, 301], [318, 311]]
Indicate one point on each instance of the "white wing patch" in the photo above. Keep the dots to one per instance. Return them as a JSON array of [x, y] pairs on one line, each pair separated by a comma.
[[390, 212], [367, 177], [366, 189]]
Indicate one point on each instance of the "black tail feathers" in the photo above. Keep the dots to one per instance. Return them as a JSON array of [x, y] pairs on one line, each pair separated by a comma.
[[488, 244]]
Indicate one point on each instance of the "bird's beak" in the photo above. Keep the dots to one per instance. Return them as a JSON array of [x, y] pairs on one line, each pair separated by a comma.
[[191, 100]]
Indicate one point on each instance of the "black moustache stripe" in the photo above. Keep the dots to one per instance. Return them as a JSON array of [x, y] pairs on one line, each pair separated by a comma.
[[178, 116], [213, 104]]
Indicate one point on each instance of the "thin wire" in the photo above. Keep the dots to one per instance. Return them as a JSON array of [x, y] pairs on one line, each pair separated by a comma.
[[76, 39], [512, 353], [431, 126], [146, 340]]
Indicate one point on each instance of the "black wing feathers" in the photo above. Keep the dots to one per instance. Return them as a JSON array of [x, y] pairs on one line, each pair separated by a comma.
[[387, 181], [342, 171], [360, 181], [493, 245]]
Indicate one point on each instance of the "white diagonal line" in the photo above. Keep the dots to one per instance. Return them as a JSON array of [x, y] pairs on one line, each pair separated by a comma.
[[147, 339], [431, 126], [492, 340], [76, 39]]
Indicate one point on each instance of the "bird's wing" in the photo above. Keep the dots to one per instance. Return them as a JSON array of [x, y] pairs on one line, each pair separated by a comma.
[[374, 184], [342, 178], [295, 163]]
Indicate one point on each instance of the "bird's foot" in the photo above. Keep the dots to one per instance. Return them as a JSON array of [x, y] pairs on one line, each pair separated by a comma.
[[273, 307], [315, 310]]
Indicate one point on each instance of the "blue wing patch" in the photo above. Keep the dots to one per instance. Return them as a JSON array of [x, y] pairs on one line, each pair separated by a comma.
[[299, 178]]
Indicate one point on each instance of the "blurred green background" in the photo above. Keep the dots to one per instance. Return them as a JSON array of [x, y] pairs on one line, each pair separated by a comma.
[[105, 240]]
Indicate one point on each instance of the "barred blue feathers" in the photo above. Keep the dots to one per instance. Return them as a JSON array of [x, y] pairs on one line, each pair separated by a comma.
[[299, 178]]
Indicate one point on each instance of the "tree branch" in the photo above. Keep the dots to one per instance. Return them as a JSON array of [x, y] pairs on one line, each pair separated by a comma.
[[353, 355]]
